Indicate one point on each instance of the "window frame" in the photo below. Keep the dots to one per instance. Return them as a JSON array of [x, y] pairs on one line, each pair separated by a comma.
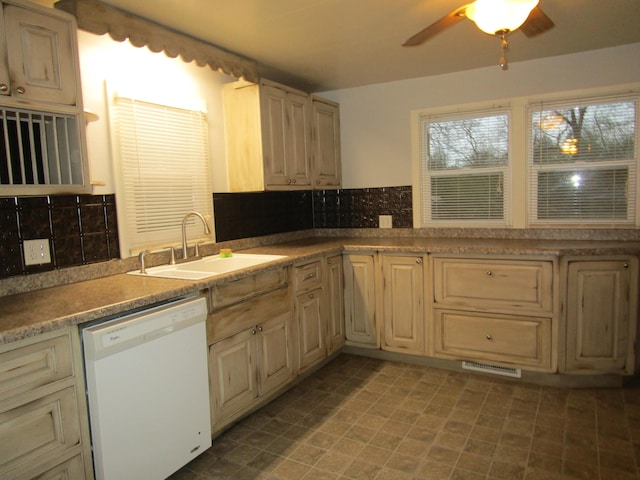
[[422, 175], [533, 170], [131, 242], [519, 154]]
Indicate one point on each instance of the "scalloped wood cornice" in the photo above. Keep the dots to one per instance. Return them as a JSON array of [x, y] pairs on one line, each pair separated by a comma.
[[99, 18]]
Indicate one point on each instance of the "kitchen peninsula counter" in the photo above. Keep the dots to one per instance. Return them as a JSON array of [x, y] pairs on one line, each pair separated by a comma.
[[45, 309]]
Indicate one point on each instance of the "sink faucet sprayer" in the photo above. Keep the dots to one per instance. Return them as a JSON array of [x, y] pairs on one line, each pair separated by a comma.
[[207, 230]]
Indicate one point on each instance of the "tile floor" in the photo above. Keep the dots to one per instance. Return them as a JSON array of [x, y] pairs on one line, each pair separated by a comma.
[[364, 419]]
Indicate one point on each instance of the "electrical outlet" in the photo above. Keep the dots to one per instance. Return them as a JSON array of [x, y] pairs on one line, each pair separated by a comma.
[[36, 252], [385, 221]]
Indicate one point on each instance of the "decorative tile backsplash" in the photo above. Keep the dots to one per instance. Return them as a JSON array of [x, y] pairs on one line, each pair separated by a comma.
[[360, 207], [81, 229]]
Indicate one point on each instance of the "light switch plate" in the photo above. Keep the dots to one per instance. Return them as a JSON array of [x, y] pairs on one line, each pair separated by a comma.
[[37, 252], [385, 221]]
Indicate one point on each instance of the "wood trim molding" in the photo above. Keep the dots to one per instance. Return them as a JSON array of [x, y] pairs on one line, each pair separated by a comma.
[[99, 18]]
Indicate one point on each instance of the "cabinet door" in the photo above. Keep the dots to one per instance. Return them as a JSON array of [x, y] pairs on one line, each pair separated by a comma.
[[298, 146], [232, 375], [275, 353], [311, 328], [327, 170], [403, 300], [274, 136], [334, 294], [360, 300], [40, 56], [600, 332]]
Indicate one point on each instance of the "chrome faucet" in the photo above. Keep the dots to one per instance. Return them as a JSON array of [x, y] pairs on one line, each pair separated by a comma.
[[207, 230]]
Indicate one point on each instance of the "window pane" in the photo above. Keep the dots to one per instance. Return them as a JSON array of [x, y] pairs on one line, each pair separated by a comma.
[[586, 133], [471, 197], [583, 163], [583, 194], [468, 143]]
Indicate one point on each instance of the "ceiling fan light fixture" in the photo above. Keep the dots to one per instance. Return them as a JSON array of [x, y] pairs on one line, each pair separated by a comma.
[[500, 16]]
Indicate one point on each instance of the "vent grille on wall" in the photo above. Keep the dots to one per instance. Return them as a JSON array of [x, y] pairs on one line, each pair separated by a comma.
[[494, 369]]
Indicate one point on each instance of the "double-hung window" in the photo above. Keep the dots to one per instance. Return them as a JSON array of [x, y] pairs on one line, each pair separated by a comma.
[[464, 168], [583, 163]]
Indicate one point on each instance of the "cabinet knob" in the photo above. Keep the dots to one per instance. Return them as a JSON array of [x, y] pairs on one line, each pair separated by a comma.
[[418, 261], [489, 337], [20, 90], [4, 87], [309, 275], [311, 295], [625, 265], [317, 182], [259, 328], [489, 273], [253, 332], [329, 262]]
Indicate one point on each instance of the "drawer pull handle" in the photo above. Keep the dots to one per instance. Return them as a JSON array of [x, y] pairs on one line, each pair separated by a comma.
[[490, 273], [489, 337]]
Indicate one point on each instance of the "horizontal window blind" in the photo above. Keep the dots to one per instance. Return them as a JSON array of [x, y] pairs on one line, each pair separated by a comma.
[[582, 163], [465, 168], [163, 157]]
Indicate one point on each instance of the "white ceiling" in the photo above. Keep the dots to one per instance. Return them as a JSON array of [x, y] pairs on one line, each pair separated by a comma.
[[322, 45]]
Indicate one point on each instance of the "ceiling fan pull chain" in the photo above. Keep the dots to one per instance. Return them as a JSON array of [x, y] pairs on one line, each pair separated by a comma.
[[504, 46]]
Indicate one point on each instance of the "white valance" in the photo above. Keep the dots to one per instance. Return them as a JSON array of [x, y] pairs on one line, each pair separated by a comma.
[[99, 18]]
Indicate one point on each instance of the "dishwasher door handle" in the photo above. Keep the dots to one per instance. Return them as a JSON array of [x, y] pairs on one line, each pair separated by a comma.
[[158, 333]]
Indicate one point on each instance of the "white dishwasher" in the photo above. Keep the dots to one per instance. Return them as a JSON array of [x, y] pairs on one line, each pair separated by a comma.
[[148, 390]]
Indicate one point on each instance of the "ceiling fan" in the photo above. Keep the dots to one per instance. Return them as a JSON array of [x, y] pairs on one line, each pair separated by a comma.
[[495, 17]]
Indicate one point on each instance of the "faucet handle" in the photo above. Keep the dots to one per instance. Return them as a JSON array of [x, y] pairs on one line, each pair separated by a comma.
[[141, 255], [172, 258], [196, 252]]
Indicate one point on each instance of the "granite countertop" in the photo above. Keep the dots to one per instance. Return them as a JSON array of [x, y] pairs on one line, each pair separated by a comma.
[[33, 312]]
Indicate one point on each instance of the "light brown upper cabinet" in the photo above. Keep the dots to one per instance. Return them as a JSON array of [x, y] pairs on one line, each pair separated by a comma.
[[41, 113], [326, 165], [269, 130], [40, 55]]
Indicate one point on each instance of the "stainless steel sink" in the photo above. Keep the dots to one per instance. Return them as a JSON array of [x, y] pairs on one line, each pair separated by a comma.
[[208, 266]]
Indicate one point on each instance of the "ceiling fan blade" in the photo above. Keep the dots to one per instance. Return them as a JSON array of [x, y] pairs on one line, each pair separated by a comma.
[[445, 22], [536, 23]]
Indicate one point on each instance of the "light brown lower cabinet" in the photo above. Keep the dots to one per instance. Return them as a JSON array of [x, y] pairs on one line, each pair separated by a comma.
[[601, 315], [44, 431], [403, 294], [334, 301], [360, 300], [249, 365]]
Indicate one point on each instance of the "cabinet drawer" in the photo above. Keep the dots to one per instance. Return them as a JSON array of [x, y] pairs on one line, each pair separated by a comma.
[[308, 276], [32, 366], [240, 316], [252, 286], [508, 285], [38, 431], [523, 341]]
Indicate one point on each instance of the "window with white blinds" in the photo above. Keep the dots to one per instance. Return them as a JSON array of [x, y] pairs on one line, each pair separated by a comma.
[[583, 163], [163, 157], [464, 168]]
